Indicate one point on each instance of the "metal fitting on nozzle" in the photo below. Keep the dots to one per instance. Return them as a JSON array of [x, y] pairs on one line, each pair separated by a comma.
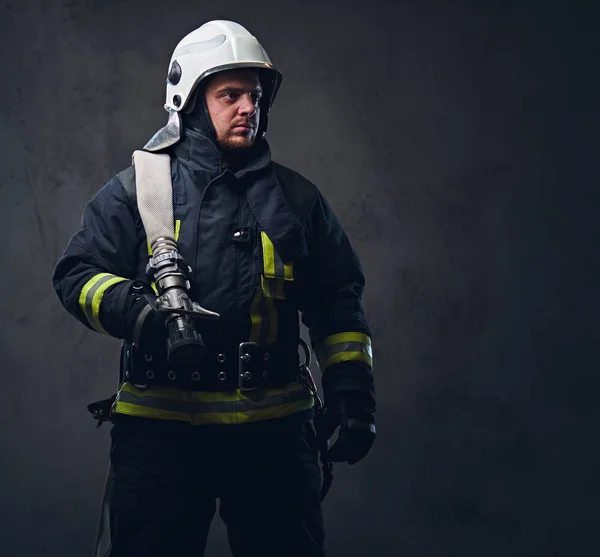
[[170, 272]]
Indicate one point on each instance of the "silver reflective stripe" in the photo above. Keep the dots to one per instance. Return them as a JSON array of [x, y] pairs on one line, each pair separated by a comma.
[[325, 352], [361, 424]]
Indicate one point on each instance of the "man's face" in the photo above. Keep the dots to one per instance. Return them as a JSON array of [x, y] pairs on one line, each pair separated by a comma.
[[232, 100]]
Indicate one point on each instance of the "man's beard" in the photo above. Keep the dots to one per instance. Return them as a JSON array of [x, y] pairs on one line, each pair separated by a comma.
[[230, 145]]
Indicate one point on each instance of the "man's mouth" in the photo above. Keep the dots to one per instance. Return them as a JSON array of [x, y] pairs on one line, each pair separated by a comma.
[[243, 126]]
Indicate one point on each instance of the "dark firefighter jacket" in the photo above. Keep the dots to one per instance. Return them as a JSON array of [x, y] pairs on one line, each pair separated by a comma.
[[263, 245]]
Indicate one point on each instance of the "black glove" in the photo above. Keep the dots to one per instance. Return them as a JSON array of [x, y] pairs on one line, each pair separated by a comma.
[[144, 325], [354, 413]]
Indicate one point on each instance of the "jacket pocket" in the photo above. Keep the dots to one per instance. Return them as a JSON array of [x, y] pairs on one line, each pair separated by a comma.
[[275, 274]]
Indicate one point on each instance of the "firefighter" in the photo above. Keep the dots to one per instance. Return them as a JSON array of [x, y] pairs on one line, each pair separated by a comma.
[[261, 246]]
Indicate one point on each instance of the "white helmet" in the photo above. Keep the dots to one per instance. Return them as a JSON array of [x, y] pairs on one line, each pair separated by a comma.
[[215, 46]]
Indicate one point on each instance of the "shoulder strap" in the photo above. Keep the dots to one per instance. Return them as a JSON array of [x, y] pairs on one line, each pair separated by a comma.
[[127, 179]]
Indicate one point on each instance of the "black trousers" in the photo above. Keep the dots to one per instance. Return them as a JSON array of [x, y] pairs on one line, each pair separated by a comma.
[[165, 478]]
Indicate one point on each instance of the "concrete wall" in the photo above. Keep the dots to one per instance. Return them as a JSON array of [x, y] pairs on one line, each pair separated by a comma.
[[455, 140]]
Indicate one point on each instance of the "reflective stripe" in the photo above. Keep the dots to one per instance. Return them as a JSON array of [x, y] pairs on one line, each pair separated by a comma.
[[274, 267], [91, 296], [175, 236], [264, 319], [198, 407], [343, 347], [273, 288], [255, 318]]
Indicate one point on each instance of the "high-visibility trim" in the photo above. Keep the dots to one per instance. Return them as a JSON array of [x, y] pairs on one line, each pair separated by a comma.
[[198, 407], [264, 320], [273, 288], [91, 296], [175, 236], [130, 409], [274, 267], [255, 319], [342, 347]]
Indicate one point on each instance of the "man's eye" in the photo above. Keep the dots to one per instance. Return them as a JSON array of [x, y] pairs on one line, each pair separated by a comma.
[[230, 96]]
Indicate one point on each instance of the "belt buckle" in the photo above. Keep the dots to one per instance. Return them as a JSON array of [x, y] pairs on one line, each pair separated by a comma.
[[244, 374]]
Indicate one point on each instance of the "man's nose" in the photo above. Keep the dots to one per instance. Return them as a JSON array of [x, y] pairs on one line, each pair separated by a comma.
[[247, 106]]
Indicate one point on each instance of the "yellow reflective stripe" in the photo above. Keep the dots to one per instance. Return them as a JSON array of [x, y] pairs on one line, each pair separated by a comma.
[[272, 288], [268, 255], [256, 415], [205, 419], [349, 357], [144, 412], [280, 294], [188, 405], [175, 236], [264, 320], [255, 319], [341, 347], [178, 395], [181, 395], [165, 392], [97, 299], [347, 337], [288, 271], [84, 292], [91, 296], [273, 266]]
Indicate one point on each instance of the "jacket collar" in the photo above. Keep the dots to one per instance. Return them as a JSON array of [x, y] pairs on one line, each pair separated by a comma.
[[264, 192], [199, 153]]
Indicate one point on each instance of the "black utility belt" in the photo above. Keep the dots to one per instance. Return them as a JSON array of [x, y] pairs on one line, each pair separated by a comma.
[[247, 367]]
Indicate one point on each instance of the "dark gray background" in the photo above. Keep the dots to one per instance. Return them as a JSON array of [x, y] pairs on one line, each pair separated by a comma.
[[457, 141]]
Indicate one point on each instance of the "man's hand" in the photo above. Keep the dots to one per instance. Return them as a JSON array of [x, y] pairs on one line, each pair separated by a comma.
[[353, 413]]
